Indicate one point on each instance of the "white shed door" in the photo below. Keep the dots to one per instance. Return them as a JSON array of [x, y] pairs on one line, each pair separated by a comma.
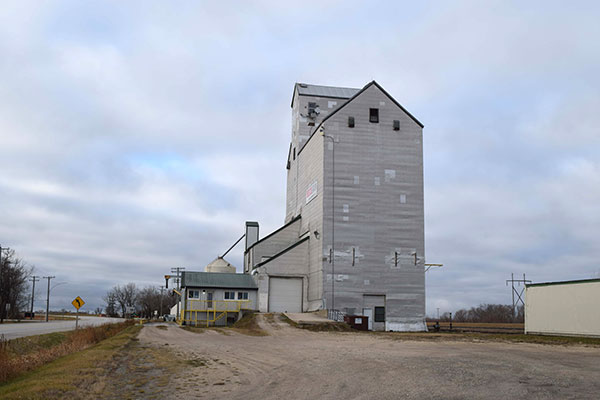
[[285, 295]]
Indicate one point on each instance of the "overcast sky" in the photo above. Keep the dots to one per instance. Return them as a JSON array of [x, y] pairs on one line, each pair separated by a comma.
[[138, 137]]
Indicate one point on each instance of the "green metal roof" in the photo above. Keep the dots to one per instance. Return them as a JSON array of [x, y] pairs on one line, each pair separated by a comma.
[[562, 282], [217, 280]]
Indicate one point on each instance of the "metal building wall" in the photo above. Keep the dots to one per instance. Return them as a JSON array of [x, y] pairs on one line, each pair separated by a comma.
[[569, 308], [378, 210], [272, 245], [295, 194], [293, 263]]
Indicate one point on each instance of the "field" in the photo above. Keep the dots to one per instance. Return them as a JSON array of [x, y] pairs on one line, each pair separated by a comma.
[[478, 327]]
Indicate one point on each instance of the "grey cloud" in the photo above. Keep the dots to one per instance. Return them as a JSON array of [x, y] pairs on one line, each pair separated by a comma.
[[94, 99]]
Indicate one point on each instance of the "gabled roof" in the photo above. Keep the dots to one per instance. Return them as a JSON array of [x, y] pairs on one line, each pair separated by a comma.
[[217, 280], [305, 89], [282, 252], [296, 218], [368, 85]]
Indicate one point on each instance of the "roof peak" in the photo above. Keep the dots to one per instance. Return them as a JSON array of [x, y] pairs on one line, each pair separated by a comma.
[[336, 92]]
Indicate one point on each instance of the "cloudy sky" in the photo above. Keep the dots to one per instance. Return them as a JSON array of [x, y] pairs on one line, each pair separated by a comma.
[[138, 137]]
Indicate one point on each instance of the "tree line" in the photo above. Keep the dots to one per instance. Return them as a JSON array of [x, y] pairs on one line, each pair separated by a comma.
[[129, 299], [497, 313], [14, 274]]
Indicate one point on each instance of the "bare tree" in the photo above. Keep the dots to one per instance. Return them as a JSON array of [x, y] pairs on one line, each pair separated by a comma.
[[111, 303], [125, 296], [148, 301], [14, 274], [498, 313]]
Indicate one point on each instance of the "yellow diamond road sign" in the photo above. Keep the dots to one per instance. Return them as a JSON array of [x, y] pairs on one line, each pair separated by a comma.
[[78, 302]]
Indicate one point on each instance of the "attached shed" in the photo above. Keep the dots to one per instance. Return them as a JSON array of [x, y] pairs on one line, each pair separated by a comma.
[[570, 308], [213, 298]]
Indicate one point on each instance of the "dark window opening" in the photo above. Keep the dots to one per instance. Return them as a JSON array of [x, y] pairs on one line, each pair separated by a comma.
[[353, 255], [396, 125], [395, 258], [313, 110], [294, 153], [379, 314], [351, 122], [311, 124], [373, 114]]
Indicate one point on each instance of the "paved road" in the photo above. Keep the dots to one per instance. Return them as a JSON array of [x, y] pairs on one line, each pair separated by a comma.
[[12, 331]]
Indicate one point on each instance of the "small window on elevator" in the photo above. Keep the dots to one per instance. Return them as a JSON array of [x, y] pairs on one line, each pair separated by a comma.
[[374, 115]]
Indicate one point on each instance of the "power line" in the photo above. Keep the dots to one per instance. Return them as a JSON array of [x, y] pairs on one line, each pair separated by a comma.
[[514, 291]]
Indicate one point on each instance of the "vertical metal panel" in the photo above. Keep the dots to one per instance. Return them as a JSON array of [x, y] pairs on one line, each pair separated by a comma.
[[563, 309]]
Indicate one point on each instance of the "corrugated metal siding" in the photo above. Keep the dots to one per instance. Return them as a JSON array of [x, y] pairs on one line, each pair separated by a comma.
[[563, 309], [374, 221]]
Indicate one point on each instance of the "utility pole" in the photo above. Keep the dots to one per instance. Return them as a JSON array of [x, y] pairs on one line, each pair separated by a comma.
[[2, 304], [516, 292], [162, 288], [1, 250], [34, 279], [177, 277], [48, 295]]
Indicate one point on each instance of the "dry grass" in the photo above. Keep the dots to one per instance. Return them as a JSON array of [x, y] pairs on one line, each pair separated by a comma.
[[75, 373], [20, 355]]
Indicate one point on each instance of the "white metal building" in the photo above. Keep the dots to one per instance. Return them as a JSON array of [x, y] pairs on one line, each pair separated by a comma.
[[569, 308]]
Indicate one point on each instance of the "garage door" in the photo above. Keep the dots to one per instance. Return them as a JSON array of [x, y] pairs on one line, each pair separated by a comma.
[[285, 295]]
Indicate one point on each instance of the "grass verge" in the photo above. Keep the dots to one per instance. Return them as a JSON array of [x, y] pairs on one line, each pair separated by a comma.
[[69, 373], [24, 354]]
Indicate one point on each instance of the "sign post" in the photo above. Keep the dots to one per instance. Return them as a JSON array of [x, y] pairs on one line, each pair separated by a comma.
[[77, 303]]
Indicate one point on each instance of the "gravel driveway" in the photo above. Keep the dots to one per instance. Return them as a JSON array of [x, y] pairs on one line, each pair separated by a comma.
[[293, 363]]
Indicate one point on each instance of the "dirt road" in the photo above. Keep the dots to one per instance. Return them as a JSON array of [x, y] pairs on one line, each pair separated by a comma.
[[293, 363]]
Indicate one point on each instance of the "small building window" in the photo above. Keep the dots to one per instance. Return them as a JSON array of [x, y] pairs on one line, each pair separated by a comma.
[[242, 295], [294, 153], [379, 314], [374, 115], [350, 122], [194, 294], [229, 296], [396, 125]]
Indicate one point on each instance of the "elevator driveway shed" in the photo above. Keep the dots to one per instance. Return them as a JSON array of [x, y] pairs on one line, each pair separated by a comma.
[[285, 295]]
